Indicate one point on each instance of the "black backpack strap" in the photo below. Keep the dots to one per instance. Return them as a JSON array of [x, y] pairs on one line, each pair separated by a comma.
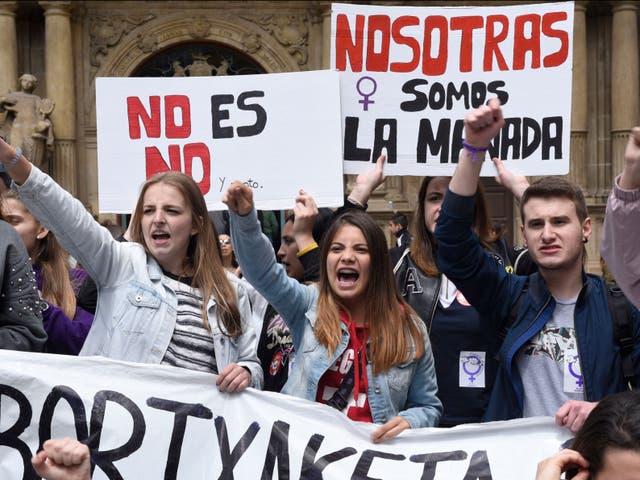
[[619, 309]]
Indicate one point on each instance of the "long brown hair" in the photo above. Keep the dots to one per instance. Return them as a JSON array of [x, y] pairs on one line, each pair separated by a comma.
[[54, 267], [387, 313], [208, 273], [423, 244]]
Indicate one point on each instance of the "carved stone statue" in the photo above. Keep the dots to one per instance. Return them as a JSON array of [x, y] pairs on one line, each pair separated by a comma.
[[26, 122]]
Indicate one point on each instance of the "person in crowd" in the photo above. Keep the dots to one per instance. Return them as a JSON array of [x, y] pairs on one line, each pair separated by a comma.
[[559, 356], [65, 321], [20, 318], [306, 227], [463, 349], [619, 247], [363, 350], [606, 447], [163, 298], [228, 257], [398, 225]]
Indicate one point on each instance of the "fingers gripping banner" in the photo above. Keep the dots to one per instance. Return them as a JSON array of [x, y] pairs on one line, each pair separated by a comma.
[[153, 422]]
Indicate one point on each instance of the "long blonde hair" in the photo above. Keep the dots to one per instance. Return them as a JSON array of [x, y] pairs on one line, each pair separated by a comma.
[[54, 267], [394, 337], [208, 273]]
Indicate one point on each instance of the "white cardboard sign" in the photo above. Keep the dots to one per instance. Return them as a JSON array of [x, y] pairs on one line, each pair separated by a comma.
[[411, 73], [277, 133]]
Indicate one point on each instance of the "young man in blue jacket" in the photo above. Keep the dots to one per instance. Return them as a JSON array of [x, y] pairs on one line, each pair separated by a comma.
[[559, 356]]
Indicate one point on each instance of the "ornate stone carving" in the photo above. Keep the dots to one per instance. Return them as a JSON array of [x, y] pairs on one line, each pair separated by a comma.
[[200, 28], [251, 42], [107, 31], [147, 43], [291, 31], [200, 67]]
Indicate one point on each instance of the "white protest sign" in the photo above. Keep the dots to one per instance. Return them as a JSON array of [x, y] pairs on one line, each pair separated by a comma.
[[151, 422], [411, 73], [277, 133]]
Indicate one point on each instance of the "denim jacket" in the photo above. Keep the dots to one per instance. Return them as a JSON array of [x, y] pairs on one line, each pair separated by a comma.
[[136, 312], [408, 390]]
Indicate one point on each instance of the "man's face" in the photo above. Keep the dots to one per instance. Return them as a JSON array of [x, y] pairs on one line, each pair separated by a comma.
[[394, 227], [288, 253], [553, 233]]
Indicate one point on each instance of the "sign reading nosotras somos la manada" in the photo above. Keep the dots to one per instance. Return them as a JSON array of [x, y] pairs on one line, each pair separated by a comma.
[[410, 74]]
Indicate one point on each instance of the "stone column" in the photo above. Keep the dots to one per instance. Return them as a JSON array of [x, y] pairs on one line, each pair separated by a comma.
[[9, 50], [59, 68], [625, 91], [326, 37], [579, 119]]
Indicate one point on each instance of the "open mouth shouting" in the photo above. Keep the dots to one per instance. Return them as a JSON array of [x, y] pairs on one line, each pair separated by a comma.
[[348, 264], [347, 278]]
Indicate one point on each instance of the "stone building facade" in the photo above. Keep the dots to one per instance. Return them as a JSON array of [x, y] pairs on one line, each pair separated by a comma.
[[68, 44]]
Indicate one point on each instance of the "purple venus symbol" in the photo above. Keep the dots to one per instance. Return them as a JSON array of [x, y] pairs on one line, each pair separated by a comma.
[[371, 86]]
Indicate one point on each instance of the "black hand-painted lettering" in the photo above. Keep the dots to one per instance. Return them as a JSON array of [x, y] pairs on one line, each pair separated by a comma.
[[386, 137], [420, 101], [230, 459], [217, 115], [9, 438], [361, 472], [438, 143], [430, 461], [278, 449], [479, 468], [351, 149], [261, 114], [312, 468], [182, 411], [48, 408], [105, 459]]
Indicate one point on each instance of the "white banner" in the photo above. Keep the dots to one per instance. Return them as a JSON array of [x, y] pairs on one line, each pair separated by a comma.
[[411, 74], [149, 422], [277, 133]]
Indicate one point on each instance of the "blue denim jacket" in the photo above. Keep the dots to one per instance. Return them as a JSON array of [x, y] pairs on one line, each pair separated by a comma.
[[408, 390], [136, 313]]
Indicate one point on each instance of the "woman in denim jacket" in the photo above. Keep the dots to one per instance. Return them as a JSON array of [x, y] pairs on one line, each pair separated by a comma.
[[151, 289], [361, 349]]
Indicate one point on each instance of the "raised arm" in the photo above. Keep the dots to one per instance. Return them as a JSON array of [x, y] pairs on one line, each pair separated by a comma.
[[79, 234], [367, 182], [482, 280], [258, 262], [480, 127], [620, 248], [516, 184]]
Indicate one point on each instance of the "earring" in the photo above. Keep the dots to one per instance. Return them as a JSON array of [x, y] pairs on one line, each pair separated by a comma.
[[585, 239]]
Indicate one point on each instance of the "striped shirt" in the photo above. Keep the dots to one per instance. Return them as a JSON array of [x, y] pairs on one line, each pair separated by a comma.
[[191, 344]]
